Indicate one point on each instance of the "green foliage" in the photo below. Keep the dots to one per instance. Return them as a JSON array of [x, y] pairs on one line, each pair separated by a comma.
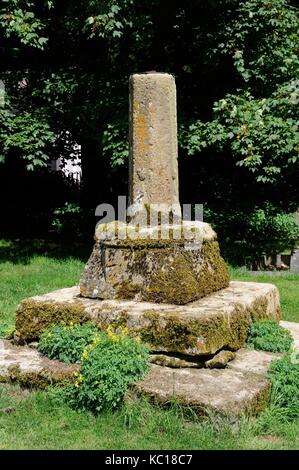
[[268, 335], [257, 123], [262, 39], [284, 375], [262, 134], [111, 21], [67, 342], [18, 19], [27, 134], [109, 365], [251, 233], [115, 143]]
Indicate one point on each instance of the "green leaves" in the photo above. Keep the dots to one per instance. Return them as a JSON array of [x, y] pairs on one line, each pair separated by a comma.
[[268, 335], [66, 342], [115, 143], [110, 362], [17, 21], [261, 134], [26, 134], [284, 376], [262, 38], [110, 22]]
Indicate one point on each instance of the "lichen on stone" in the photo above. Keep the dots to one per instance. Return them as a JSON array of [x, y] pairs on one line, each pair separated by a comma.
[[40, 379], [174, 284], [33, 317]]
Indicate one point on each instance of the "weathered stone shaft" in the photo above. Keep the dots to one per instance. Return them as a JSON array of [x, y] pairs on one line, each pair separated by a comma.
[[153, 141]]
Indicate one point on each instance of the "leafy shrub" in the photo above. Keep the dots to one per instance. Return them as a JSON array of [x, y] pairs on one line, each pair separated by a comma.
[[284, 376], [109, 365], [67, 342], [251, 233], [268, 335]]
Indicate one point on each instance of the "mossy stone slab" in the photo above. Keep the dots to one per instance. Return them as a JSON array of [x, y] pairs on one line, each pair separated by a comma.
[[224, 391], [30, 369], [220, 320]]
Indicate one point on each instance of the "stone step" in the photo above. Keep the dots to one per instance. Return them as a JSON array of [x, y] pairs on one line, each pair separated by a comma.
[[29, 368], [225, 391], [257, 362], [220, 320], [293, 328]]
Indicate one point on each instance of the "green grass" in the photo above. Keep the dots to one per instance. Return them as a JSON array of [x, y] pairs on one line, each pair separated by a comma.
[[32, 268], [36, 421]]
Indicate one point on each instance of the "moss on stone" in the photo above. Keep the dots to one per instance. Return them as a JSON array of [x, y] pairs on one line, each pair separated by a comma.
[[126, 290], [142, 244], [176, 362], [220, 360], [175, 334], [40, 379], [214, 274], [175, 284], [33, 317], [260, 308]]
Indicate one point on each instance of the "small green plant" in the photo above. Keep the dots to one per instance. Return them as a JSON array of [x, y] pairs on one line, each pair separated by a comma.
[[284, 376], [67, 342], [268, 335], [109, 365], [67, 220]]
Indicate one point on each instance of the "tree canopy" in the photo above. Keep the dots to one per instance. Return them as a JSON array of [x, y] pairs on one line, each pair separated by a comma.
[[65, 66]]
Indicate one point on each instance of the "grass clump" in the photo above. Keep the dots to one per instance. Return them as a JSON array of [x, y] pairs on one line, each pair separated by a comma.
[[268, 335], [284, 376]]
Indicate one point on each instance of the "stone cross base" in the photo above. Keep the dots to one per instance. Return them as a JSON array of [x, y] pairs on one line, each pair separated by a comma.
[[204, 327], [143, 266]]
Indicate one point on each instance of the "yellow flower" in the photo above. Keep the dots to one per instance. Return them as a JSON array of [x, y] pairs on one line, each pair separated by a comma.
[[112, 335], [49, 335], [84, 355], [76, 374], [96, 340]]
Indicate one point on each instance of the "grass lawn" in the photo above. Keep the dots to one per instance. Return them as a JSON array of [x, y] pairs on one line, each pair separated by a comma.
[[33, 420]]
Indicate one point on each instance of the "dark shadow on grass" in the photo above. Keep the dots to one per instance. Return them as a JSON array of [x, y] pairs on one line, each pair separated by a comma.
[[22, 251]]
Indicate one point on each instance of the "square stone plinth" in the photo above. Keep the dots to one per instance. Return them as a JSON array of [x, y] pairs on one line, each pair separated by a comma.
[[220, 320]]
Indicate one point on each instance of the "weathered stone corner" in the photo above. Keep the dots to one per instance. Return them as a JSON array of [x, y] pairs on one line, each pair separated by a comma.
[[30, 369]]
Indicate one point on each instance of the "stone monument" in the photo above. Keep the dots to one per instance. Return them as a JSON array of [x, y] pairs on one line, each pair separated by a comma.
[[156, 257], [163, 278]]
